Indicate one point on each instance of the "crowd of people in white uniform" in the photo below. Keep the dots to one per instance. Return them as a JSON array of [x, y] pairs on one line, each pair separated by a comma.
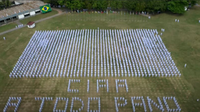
[[95, 53]]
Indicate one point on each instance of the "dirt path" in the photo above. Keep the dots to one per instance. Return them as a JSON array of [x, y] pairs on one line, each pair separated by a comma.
[[59, 13]]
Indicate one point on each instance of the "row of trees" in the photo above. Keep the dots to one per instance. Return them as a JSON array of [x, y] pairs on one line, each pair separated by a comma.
[[174, 6], [4, 4]]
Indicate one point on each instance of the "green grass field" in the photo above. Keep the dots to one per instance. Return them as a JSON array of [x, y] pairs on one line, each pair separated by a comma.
[[181, 39], [7, 27]]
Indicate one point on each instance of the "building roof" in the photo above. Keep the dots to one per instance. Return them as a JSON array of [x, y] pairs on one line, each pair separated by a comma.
[[30, 23], [20, 9]]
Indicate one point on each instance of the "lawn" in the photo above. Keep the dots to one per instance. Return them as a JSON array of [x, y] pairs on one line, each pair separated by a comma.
[[181, 39], [7, 27]]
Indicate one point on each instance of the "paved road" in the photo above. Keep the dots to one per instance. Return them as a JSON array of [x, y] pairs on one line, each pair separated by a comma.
[[59, 13]]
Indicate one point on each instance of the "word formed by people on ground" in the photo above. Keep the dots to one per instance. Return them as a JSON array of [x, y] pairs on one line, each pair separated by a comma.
[[119, 102]]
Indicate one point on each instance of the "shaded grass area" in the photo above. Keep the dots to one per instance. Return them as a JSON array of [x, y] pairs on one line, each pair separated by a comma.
[[181, 39], [37, 17], [7, 27]]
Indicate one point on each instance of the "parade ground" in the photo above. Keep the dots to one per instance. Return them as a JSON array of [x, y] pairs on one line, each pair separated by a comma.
[[104, 62]]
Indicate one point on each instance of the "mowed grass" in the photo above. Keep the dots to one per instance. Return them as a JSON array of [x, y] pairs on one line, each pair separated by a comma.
[[7, 27], [181, 39]]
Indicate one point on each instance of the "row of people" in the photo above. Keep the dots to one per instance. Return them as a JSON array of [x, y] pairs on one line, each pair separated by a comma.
[[95, 53]]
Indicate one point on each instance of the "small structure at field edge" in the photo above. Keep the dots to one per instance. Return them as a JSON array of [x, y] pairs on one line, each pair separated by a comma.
[[31, 24]]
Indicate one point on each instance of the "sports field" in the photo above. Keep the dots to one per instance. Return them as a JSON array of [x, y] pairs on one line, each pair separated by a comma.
[[181, 39]]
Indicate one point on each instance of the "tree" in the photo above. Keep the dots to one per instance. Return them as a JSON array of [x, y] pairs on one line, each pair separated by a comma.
[[77, 4], [131, 5], [88, 4], [103, 5], [116, 4], [69, 5], [140, 6], [113, 5], [99, 4], [46, 1], [174, 6], [156, 5], [61, 2], [192, 2], [2, 5], [52, 2], [7, 3], [94, 5], [177, 7]]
